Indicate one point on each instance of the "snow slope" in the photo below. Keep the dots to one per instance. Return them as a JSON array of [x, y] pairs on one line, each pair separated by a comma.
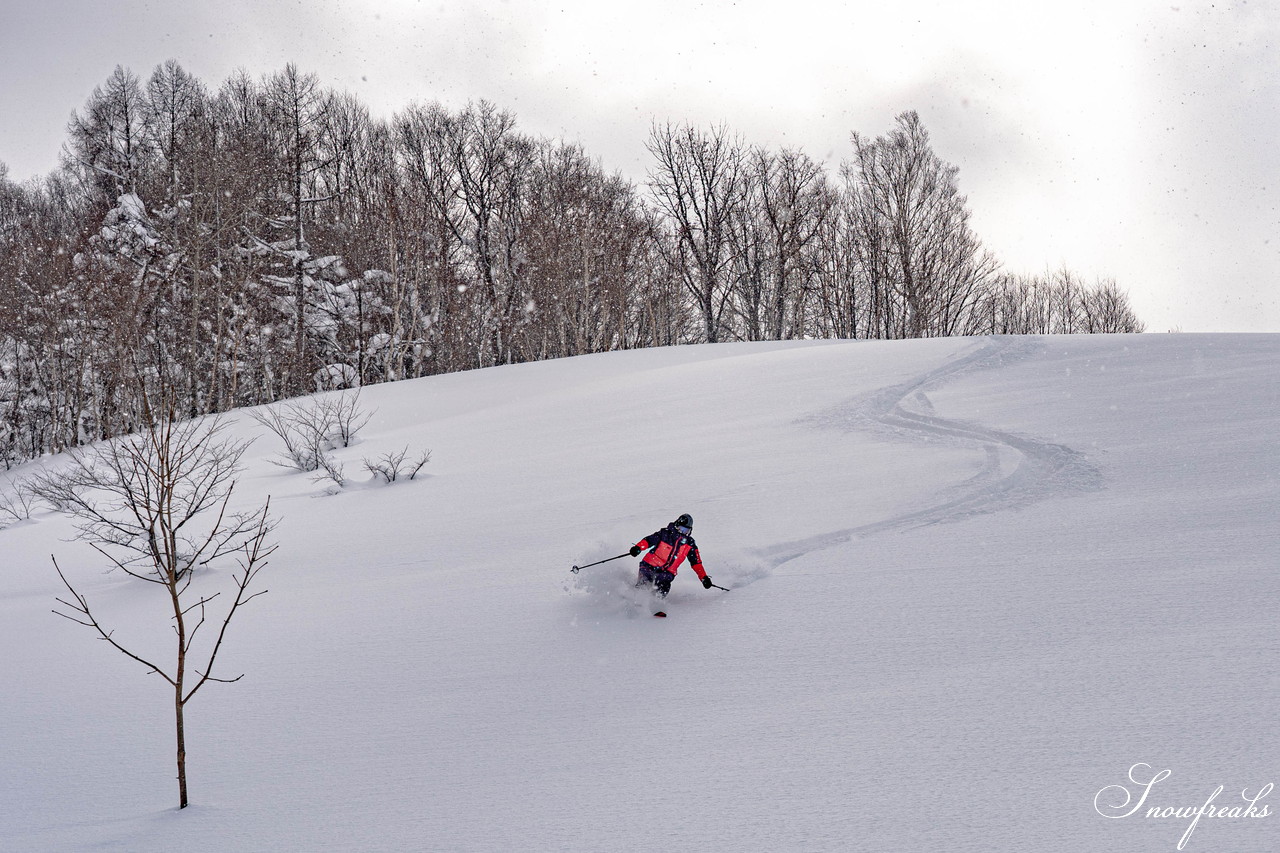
[[974, 583]]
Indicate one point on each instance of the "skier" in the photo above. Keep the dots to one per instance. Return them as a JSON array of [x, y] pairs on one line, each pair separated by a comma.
[[670, 546]]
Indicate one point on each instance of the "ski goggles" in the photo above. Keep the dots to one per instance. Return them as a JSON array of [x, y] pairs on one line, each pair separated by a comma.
[[683, 530]]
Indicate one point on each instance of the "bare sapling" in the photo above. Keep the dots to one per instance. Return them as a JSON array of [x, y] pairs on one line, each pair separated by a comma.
[[157, 506]]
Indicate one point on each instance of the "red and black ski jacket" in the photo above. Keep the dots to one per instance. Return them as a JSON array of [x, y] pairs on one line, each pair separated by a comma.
[[670, 548]]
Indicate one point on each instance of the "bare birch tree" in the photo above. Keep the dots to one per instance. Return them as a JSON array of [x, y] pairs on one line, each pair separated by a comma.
[[493, 163], [785, 203], [926, 268], [107, 149], [294, 106], [697, 183]]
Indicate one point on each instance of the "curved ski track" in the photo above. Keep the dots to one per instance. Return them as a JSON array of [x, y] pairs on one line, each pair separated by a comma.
[[1019, 470]]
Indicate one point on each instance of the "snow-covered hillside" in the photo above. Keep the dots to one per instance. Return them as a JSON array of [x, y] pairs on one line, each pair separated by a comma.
[[974, 583]]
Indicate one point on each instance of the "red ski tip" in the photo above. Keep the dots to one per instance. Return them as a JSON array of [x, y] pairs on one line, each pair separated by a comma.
[[661, 614]]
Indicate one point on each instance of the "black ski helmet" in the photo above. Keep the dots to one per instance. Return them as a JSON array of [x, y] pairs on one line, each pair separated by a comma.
[[685, 520]]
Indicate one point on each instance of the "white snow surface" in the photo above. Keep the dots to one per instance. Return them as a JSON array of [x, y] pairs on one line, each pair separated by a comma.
[[974, 582]]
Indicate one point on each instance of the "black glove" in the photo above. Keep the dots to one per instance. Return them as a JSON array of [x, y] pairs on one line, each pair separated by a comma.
[[635, 550], [706, 583]]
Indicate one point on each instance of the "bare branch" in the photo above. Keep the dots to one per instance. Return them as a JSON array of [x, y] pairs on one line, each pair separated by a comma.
[[204, 677], [89, 621], [255, 554]]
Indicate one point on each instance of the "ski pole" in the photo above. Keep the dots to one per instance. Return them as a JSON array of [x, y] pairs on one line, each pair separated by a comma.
[[576, 569], [725, 588]]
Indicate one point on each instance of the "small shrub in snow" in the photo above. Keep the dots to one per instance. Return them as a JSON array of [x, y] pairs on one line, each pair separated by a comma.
[[310, 429], [392, 466], [293, 425], [19, 504], [330, 469], [345, 415]]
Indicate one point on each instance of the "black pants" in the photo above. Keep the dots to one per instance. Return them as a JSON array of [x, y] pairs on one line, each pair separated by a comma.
[[659, 579]]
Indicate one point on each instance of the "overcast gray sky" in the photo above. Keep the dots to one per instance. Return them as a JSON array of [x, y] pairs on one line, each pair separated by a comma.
[[1123, 138]]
